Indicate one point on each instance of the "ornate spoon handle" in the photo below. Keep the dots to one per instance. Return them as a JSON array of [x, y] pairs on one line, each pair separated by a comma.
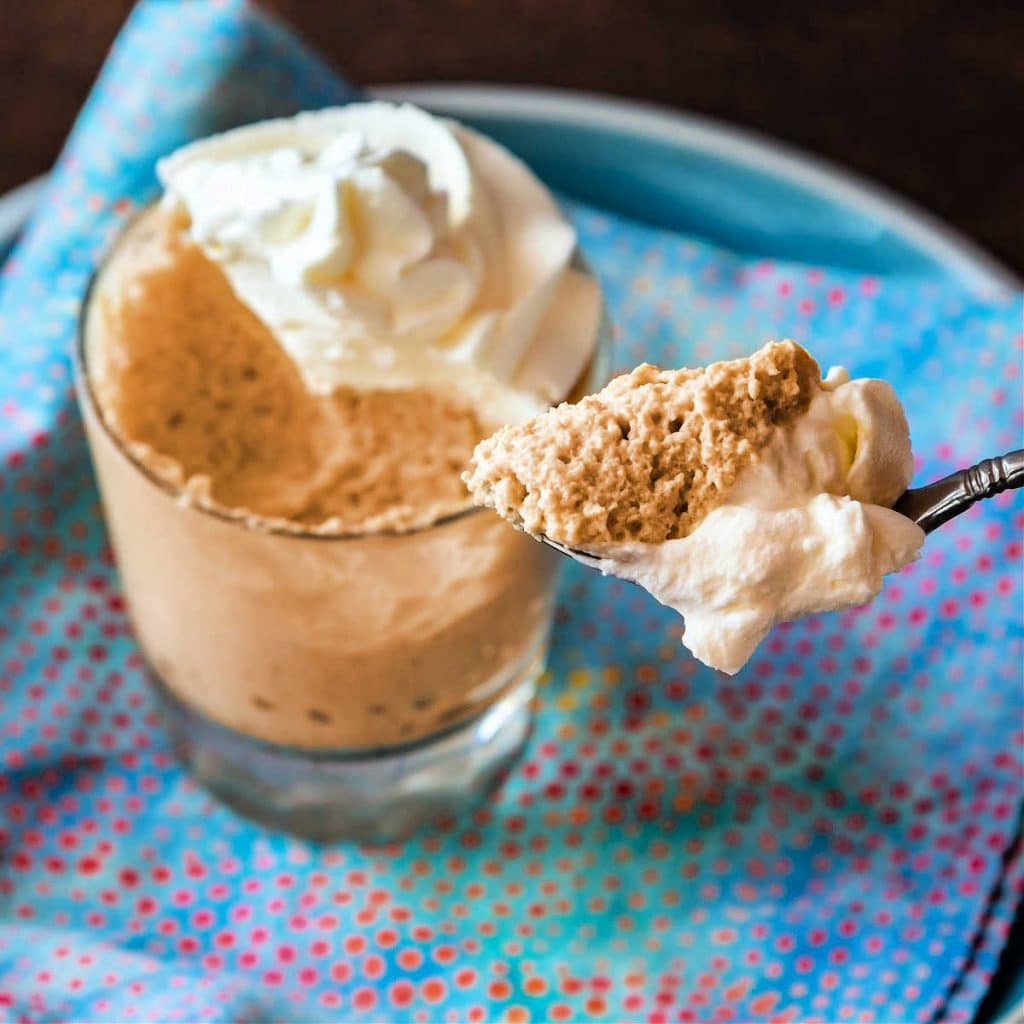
[[936, 503]]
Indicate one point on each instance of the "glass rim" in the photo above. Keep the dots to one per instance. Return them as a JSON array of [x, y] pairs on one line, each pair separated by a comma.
[[256, 523]]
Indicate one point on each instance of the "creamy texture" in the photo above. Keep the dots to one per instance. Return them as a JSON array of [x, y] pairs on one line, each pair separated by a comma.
[[646, 457], [366, 640], [386, 248], [207, 400], [303, 340], [353, 643], [804, 529]]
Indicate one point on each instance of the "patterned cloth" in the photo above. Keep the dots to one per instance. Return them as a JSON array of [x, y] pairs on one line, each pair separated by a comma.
[[832, 835]]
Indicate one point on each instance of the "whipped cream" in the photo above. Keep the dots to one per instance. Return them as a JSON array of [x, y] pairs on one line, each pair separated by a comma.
[[386, 248], [805, 529]]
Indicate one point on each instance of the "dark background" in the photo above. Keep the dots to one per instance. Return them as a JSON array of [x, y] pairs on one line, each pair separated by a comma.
[[927, 98]]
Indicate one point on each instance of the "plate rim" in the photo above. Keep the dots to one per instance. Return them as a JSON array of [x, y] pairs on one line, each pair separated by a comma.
[[969, 261], [965, 259]]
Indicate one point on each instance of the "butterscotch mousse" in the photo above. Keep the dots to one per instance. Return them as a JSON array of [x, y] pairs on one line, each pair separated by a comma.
[[209, 401], [743, 494], [649, 456], [287, 363]]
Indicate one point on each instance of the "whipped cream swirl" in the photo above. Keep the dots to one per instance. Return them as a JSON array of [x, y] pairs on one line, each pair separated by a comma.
[[387, 248], [806, 528]]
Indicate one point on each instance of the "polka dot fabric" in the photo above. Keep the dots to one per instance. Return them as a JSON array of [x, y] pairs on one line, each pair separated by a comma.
[[832, 835]]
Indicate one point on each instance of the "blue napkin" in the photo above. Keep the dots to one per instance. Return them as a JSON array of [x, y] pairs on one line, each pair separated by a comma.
[[832, 835]]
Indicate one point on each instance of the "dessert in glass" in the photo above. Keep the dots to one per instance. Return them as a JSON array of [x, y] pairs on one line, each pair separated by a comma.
[[283, 367]]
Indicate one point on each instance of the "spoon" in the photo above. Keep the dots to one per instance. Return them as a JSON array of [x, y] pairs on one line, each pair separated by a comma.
[[929, 506], [936, 503]]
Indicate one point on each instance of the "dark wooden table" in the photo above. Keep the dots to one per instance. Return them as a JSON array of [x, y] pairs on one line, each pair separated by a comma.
[[925, 97]]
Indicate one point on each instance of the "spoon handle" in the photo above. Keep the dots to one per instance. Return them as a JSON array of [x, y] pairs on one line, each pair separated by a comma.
[[936, 503]]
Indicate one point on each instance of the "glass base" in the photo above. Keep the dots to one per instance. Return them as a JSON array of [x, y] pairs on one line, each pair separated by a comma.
[[374, 796]]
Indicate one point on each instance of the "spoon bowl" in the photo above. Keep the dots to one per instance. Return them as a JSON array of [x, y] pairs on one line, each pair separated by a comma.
[[929, 506]]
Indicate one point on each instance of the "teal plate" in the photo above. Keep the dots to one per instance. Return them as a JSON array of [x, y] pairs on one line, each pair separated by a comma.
[[744, 192]]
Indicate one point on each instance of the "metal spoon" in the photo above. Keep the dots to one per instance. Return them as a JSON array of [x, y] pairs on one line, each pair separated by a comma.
[[929, 506], [936, 503]]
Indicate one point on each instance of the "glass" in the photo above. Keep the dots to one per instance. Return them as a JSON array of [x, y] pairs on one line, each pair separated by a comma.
[[334, 686]]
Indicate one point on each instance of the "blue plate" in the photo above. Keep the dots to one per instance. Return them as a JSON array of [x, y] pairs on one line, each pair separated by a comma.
[[731, 187]]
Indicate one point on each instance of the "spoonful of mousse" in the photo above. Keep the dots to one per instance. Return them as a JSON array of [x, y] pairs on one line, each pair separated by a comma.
[[742, 494]]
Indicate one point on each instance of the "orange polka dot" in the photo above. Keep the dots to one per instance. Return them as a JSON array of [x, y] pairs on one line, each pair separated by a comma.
[[410, 959], [434, 990], [738, 989], [788, 1015], [499, 989], [535, 986], [763, 1004]]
